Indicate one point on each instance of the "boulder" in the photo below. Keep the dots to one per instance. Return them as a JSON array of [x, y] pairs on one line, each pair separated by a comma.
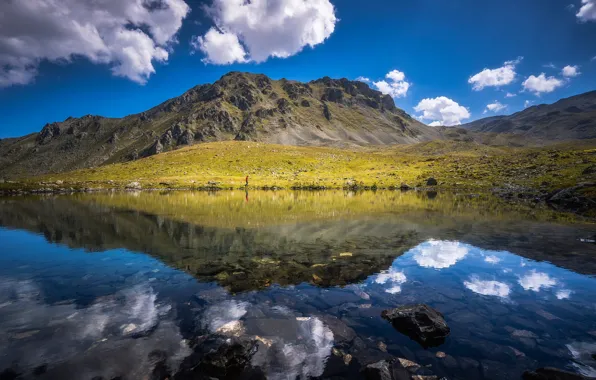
[[134, 186], [431, 182], [420, 322], [548, 373]]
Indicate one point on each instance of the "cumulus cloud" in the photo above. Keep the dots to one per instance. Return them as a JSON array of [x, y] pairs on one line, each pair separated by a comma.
[[498, 77], [127, 35], [570, 71], [488, 288], [587, 12], [258, 29], [535, 281], [563, 294], [492, 259], [439, 254], [442, 111], [219, 48], [301, 352], [541, 84], [363, 79], [510, 95], [393, 278], [395, 86], [528, 103], [74, 337], [495, 107], [224, 316], [583, 361]]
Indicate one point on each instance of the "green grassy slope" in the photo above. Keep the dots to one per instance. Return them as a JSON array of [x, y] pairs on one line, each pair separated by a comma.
[[453, 164]]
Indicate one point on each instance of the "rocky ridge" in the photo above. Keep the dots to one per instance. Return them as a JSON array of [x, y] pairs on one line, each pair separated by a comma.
[[239, 106]]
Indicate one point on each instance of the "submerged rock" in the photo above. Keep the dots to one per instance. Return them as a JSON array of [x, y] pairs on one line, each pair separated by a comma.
[[396, 369], [420, 323], [378, 371], [548, 373]]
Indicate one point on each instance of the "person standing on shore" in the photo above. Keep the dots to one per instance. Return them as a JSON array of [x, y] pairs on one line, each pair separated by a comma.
[[246, 181]]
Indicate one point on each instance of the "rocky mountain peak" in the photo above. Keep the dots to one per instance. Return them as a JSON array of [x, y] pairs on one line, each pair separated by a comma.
[[238, 106]]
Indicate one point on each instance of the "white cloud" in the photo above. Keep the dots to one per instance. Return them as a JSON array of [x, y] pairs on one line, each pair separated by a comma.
[[570, 71], [396, 86], [222, 315], [439, 254], [128, 35], [495, 107], [582, 358], [587, 12], [73, 336], [550, 66], [492, 259], [510, 95], [263, 29], [488, 288], [563, 294], [392, 278], [363, 79], [541, 84], [219, 48], [536, 280], [300, 352], [528, 103], [442, 111], [495, 77]]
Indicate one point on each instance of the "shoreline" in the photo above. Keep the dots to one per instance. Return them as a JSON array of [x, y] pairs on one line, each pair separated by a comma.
[[566, 200]]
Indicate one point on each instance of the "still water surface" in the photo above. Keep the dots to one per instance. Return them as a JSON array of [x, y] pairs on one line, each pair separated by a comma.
[[98, 285]]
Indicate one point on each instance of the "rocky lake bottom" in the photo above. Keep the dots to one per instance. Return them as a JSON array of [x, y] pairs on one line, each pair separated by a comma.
[[288, 286]]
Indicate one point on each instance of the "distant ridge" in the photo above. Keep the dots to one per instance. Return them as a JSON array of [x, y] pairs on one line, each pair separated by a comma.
[[568, 119]]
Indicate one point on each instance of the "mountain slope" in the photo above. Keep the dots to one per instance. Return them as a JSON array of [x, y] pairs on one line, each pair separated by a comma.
[[568, 119], [239, 106]]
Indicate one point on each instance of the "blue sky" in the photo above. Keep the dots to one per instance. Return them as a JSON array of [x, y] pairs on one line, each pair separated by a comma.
[[53, 71]]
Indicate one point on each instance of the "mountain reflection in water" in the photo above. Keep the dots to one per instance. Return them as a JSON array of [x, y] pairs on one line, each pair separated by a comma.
[[137, 280]]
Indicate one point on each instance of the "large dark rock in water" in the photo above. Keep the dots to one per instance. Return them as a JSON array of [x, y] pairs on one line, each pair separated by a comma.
[[421, 323], [217, 357], [552, 374]]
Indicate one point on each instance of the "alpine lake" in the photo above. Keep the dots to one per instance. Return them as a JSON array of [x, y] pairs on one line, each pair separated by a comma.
[[289, 285]]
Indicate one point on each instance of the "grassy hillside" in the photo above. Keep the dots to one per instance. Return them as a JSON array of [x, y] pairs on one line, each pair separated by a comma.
[[453, 164]]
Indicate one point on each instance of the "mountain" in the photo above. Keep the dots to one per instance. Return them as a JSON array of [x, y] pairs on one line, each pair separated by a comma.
[[568, 119], [239, 106]]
